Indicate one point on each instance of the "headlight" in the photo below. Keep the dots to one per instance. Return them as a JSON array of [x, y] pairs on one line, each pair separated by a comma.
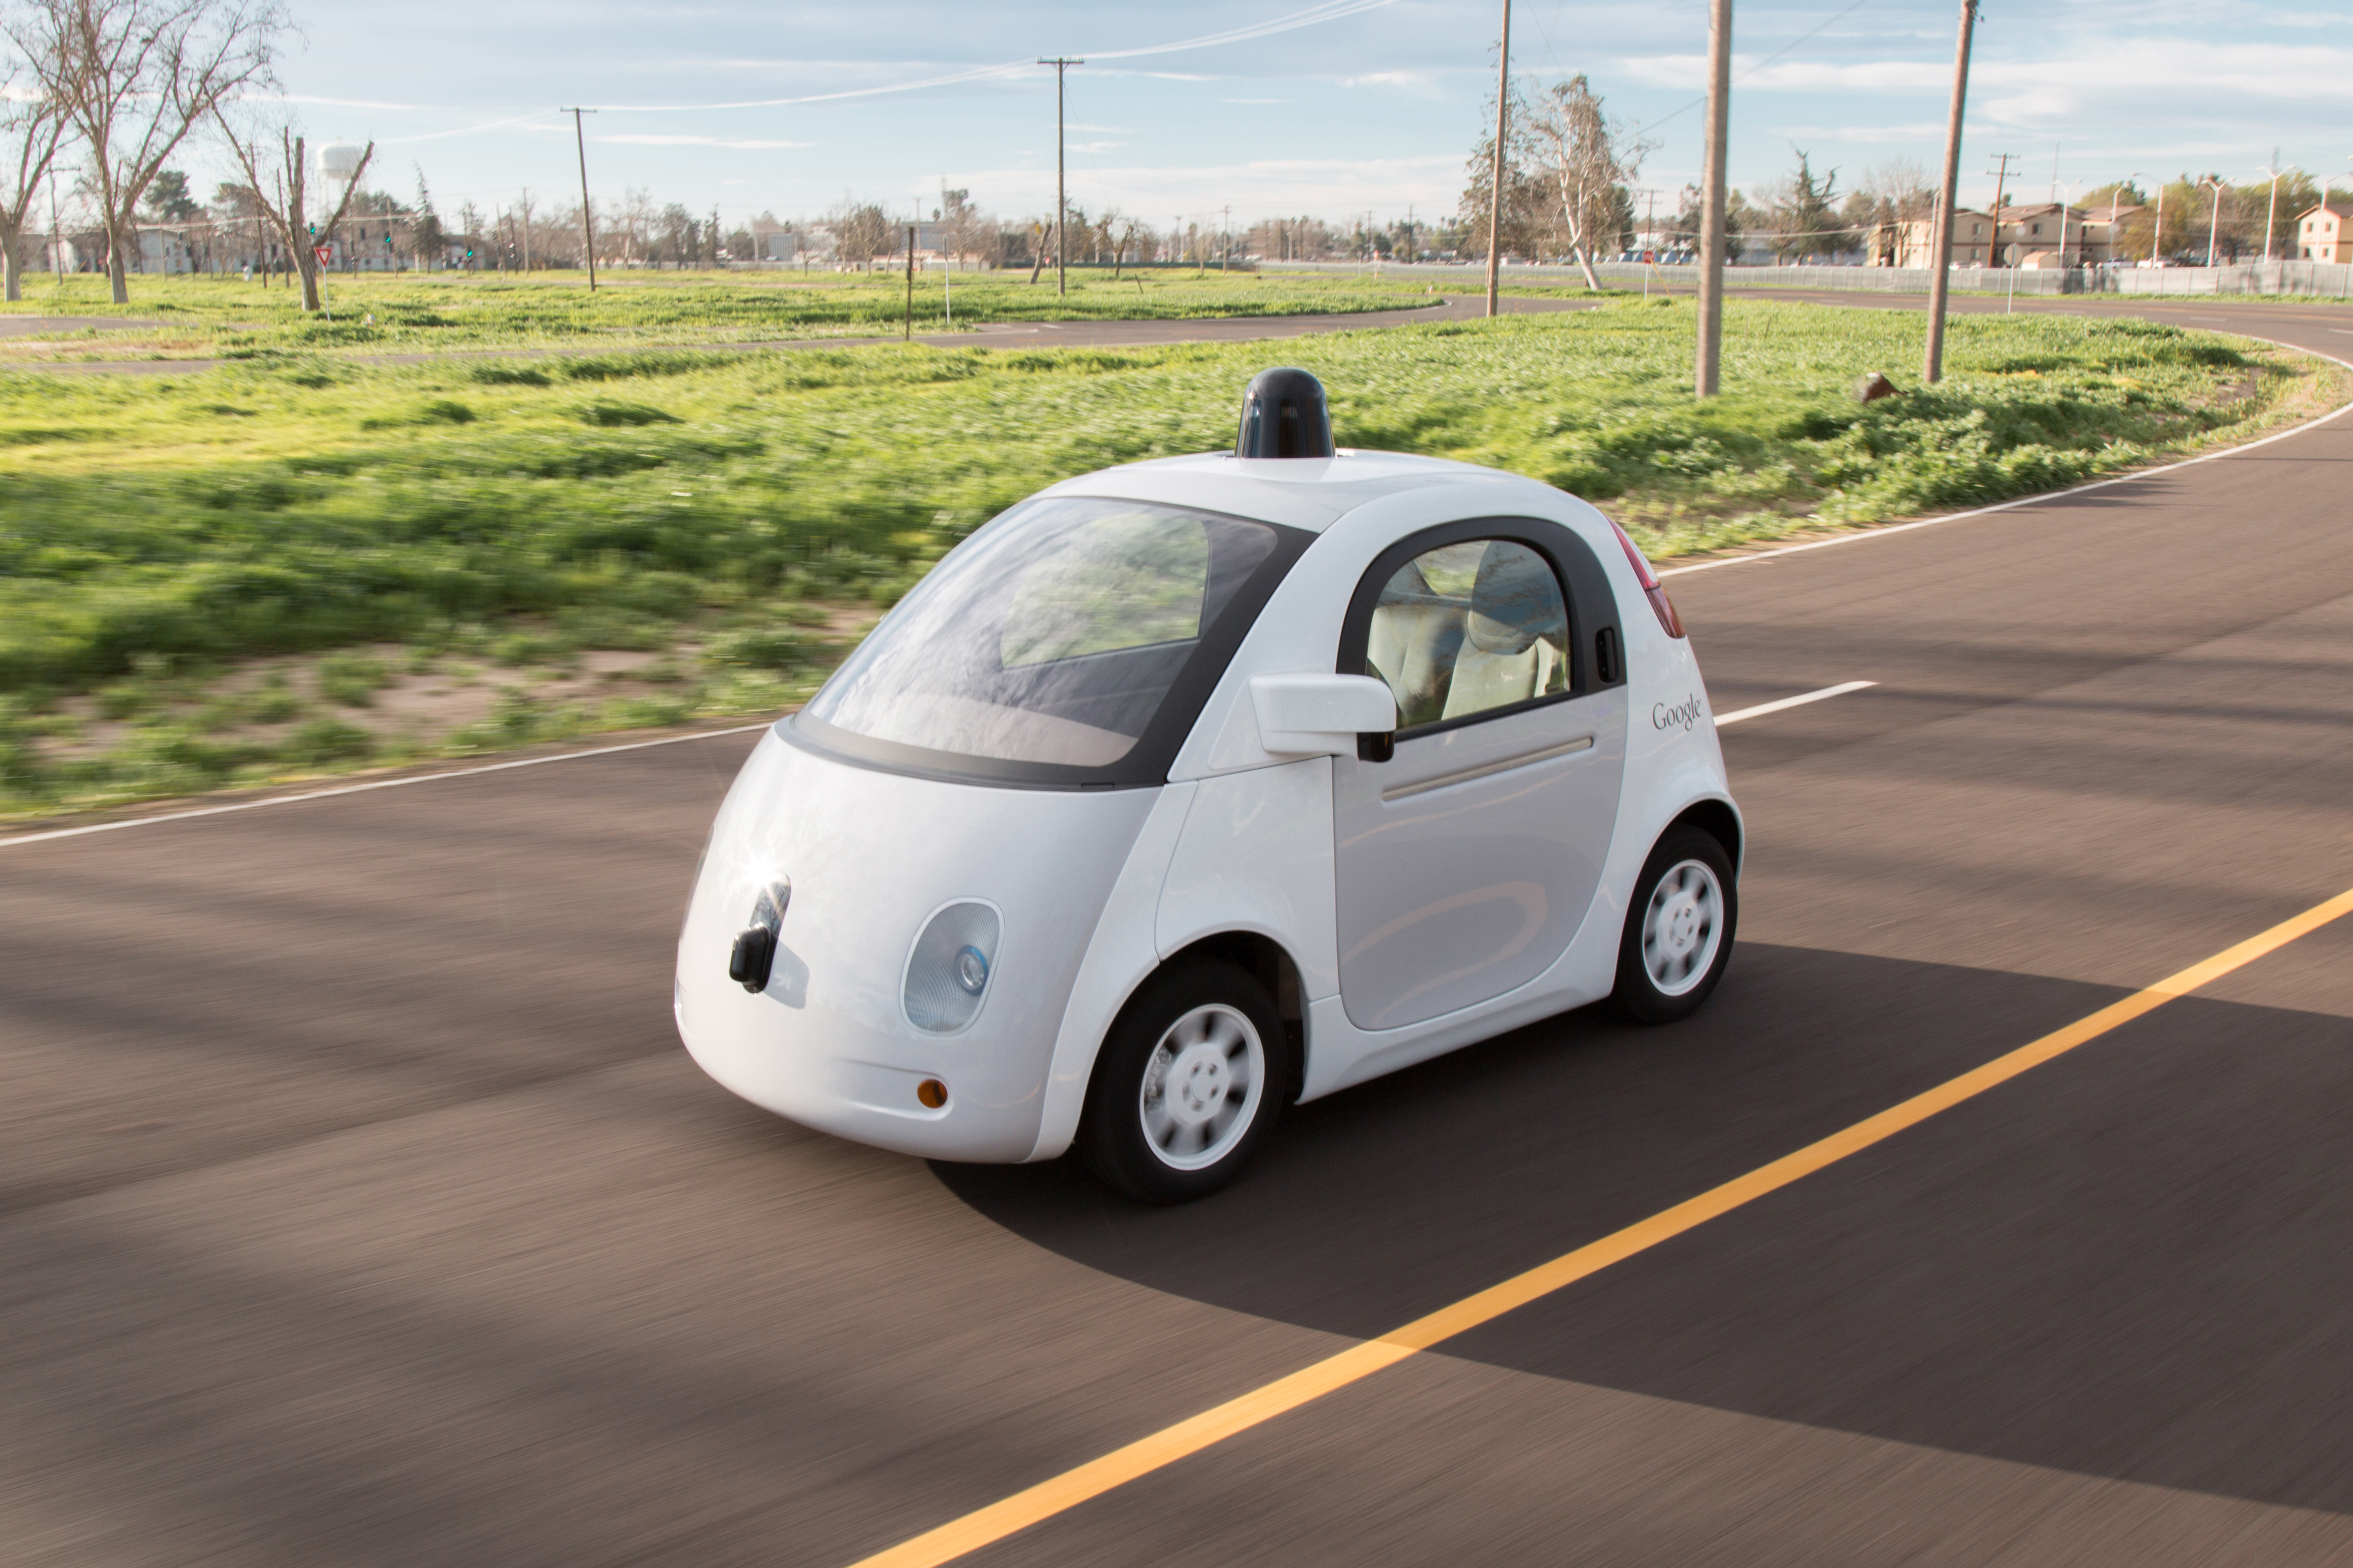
[[947, 972]]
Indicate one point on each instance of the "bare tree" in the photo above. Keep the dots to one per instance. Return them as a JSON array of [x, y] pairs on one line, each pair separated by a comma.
[[962, 223], [135, 78], [31, 127], [861, 231], [278, 177], [635, 223], [1134, 234], [1899, 188], [1591, 163]]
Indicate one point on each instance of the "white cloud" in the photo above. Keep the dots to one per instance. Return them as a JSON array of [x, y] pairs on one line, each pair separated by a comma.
[[1924, 130], [650, 141]]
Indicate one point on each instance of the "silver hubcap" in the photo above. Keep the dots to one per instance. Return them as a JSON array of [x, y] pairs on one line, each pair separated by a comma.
[[1201, 1087], [1682, 927]]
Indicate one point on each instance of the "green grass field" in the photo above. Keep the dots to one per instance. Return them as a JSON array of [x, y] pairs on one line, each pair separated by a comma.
[[399, 314], [304, 563]]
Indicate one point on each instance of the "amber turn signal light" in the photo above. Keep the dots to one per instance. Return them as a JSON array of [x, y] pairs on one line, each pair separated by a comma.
[[932, 1093]]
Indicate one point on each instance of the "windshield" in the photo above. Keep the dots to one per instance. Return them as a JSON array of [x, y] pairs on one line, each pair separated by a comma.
[[1052, 638]]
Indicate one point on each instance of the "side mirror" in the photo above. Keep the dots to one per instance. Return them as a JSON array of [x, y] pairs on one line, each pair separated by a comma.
[[1323, 715]]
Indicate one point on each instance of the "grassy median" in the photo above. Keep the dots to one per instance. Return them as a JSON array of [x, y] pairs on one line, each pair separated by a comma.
[[301, 564]]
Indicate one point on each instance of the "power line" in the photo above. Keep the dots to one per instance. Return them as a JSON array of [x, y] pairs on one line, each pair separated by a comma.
[[1330, 11], [1760, 64]]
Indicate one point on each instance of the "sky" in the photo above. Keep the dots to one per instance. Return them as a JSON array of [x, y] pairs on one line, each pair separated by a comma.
[[1372, 109]]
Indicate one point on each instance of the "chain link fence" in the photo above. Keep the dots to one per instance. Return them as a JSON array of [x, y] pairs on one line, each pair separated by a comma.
[[2316, 279]]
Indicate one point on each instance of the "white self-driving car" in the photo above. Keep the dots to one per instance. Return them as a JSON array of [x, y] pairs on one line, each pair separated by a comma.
[[1190, 788]]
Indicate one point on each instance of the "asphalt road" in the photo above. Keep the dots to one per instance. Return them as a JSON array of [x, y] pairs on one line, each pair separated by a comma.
[[358, 1206]]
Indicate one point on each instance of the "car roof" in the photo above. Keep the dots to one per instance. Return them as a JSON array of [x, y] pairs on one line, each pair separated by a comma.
[[1311, 493]]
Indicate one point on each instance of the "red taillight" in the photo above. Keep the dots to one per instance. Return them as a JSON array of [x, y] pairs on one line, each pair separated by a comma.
[[1661, 605]]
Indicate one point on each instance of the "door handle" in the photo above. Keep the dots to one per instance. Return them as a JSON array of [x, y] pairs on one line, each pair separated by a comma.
[[1489, 770]]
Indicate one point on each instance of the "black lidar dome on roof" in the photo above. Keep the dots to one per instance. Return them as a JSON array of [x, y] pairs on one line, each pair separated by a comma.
[[1284, 415]]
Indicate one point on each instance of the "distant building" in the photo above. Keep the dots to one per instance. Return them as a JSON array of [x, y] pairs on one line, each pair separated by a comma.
[[1973, 240], [2064, 235], [2321, 233]]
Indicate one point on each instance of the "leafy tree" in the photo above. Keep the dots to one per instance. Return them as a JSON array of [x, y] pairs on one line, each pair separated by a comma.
[[1739, 219], [426, 235], [1806, 217], [168, 200], [1528, 194]]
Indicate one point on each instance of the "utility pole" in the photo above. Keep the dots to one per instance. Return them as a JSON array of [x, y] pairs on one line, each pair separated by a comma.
[[1502, 123], [1225, 240], [1932, 363], [1061, 203], [57, 239], [1709, 379], [907, 334], [2001, 183], [587, 223]]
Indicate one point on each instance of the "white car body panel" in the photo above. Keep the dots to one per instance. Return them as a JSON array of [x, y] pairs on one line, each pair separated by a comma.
[[1239, 839], [827, 1042]]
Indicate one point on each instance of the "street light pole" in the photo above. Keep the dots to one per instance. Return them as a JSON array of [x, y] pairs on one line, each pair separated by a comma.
[[1061, 203], [2213, 221], [1932, 363], [2116, 200], [2271, 214]]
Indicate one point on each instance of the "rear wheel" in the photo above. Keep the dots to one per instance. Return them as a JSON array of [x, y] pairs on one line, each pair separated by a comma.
[[1678, 935], [1187, 1085]]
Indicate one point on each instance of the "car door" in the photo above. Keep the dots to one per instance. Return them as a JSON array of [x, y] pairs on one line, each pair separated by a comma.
[[1465, 862]]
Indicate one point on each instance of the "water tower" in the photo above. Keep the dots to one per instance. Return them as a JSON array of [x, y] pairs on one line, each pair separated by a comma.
[[339, 161]]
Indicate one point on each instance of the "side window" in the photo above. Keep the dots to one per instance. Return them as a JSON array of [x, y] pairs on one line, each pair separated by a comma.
[[1469, 626]]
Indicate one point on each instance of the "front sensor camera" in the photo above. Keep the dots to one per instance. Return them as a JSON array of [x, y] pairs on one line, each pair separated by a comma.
[[753, 957]]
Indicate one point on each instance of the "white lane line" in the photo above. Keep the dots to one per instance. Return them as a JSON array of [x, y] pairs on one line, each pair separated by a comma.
[[1763, 707], [1889, 531], [364, 788]]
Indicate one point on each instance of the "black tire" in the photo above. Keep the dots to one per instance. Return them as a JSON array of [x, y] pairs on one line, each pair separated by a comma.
[[1702, 906], [1227, 1039]]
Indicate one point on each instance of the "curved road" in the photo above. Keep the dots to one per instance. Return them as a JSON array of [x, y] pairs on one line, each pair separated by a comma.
[[359, 1207]]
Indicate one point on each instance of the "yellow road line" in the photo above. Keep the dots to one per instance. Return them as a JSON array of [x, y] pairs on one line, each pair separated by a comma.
[[1091, 1480]]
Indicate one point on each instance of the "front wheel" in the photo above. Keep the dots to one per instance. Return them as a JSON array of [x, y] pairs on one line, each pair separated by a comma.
[[1187, 1086], [1678, 935]]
